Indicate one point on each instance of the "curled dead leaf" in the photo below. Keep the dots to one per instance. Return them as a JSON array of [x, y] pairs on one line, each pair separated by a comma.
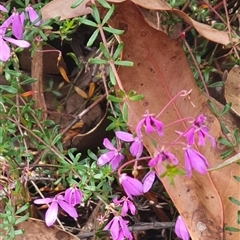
[[232, 89], [205, 30], [64, 74]]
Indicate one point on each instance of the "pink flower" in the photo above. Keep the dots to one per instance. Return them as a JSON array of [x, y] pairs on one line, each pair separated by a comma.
[[151, 124], [148, 181], [181, 229], [17, 25], [33, 16], [162, 156], [52, 212], [4, 48], [73, 196], [198, 127], [194, 160], [113, 156], [131, 186], [118, 228], [3, 9], [126, 205], [136, 147]]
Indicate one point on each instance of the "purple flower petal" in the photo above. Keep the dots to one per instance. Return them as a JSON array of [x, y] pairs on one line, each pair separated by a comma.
[[68, 208], [126, 232], [17, 27], [5, 50], [124, 136], [108, 144], [51, 214], [181, 229], [136, 147], [131, 186], [3, 9], [73, 196], [148, 181], [33, 16], [105, 158], [20, 43], [43, 200], [195, 160], [116, 161]]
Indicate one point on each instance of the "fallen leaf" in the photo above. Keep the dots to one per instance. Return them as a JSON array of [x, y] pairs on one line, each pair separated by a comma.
[[232, 89], [36, 229], [160, 71], [205, 30], [62, 9], [64, 74], [80, 92]]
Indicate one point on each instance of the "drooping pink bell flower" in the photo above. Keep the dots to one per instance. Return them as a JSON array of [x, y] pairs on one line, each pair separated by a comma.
[[126, 205], [181, 229], [113, 156], [73, 196], [161, 156], [194, 160], [17, 25], [198, 128], [119, 229], [151, 124], [52, 212], [136, 147], [131, 186], [33, 16], [4, 48]]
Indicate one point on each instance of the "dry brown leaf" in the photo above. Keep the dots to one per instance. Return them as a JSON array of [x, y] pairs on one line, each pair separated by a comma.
[[62, 9], [160, 71], [35, 229], [205, 30], [64, 74], [232, 89], [80, 92]]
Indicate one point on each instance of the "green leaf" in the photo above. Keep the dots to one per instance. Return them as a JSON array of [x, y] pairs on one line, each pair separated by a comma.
[[112, 77], [212, 107], [108, 15], [22, 219], [226, 108], [95, 14], [226, 153], [232, 229], [136, 97], [223, 128], [238, 218], [105, 51], [92, 155], [28, 80], [216, 84], [234, 200], [9, 89], [236, 136], [23, 208], [113, 30], [237, 178], [118, 50], [76, 3], [88, 22], [114, 99], [92, 38], [225, 142], [125, 112], [97, 61], [104, 3], [124, 63], [56, 139]]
